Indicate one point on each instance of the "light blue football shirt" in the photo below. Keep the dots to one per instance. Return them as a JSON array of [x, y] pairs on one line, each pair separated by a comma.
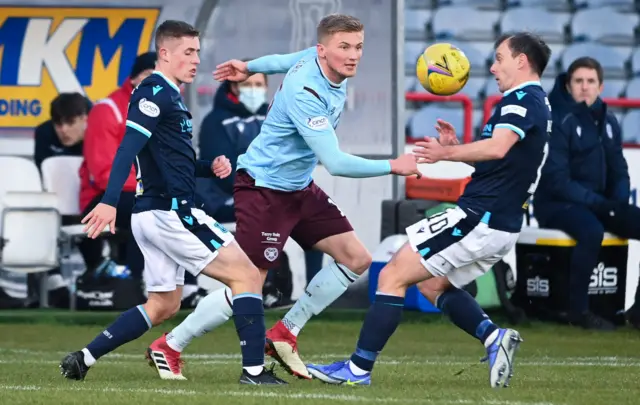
[[299, 129]]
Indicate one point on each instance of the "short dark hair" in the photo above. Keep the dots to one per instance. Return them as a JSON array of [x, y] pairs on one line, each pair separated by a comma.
[[67, 107], [585, 62], [174, 29], [334, 23], [531, 45]]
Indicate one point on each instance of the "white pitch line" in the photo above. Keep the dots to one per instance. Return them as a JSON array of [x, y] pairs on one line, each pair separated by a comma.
[[233, 358], [269, 394]]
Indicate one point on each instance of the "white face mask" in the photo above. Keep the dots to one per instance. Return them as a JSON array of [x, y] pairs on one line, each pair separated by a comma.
[[253, 97]]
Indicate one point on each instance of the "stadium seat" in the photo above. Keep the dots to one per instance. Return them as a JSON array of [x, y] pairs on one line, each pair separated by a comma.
[[29, 221], [480, 4], [631, 127], [60, 176], [613, 88], [547, 82], [477, 24], [415, 24], [622, 5], [633, 88], [422, 122], [613, 61], [550, 26], [558, 5], [604, 25], [16, 143], [412, 51], [635, 62], [491, 87], [410, 84], [474, 88]]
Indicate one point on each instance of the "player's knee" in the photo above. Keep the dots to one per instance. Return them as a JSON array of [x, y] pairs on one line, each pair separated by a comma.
[[161, 307], [247, 276], [358, 260], [390, 279], [433, 287]]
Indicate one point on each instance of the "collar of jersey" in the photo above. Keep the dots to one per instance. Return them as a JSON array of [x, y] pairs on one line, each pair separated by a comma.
[[332, 84], [525, 84], [166, 79]]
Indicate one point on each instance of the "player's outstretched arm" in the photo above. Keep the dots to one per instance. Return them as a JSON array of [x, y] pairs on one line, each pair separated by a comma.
[[311, 119], [496, 147], [236, 70], [278, 63]]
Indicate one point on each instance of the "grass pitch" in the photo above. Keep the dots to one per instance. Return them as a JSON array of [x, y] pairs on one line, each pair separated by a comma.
[[556, 365]]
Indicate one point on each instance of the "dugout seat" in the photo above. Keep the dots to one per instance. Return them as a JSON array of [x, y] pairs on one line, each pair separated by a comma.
[[551, 26], [478, 24], [604, 25], [60, 175], [543, 257], [29, 222]]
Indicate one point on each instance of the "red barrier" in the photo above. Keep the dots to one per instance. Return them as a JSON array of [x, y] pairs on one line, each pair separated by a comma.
[[613, 102], [467, 106]]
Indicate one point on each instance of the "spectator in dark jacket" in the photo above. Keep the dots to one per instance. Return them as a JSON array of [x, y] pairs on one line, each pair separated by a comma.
[[238, 112], [63, 134], [584, 188]]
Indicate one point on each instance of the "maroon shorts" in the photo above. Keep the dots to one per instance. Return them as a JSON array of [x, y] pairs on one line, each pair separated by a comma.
[[266, 218]]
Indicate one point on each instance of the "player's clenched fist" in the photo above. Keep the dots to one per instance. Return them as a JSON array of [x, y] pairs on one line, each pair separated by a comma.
[[99, 217], [234, 70], [221, 167], [429, 151], [405, 165]]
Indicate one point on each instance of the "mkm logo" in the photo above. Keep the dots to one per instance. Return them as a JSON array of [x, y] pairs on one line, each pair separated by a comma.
[[50, 50]]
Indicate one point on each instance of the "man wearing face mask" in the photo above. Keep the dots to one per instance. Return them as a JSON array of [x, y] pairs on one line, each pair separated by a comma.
[[238, 113], [584, 189]]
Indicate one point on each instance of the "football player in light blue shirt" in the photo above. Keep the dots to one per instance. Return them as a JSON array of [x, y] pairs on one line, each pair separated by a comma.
[[274, 193]]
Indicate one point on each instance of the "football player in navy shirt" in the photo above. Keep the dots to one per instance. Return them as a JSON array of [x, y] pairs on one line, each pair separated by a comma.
[[453, 248], [172, 234]]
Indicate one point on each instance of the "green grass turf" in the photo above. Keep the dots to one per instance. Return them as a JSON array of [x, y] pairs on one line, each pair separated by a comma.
[[556, 365]]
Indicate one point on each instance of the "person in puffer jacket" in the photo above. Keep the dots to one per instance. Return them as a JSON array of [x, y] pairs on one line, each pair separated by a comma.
[[584, 188], [238, 113]]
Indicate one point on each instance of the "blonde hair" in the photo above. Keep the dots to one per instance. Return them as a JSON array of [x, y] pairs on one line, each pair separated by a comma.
[[334, 23]]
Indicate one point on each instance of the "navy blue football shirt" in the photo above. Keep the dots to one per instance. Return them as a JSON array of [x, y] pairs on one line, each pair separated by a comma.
[[500, 189], [158, 138]]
